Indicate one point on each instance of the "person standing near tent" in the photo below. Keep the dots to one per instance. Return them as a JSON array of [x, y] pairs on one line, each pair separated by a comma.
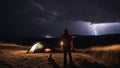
[[66, 43]]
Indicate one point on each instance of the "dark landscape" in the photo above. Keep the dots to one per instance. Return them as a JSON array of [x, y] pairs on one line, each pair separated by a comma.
[[88, 52], [39, 33]]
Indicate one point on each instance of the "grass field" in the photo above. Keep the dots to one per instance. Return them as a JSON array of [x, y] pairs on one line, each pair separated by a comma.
[[15, 56]]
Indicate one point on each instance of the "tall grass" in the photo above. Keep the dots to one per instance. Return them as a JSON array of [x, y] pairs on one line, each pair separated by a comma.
[[108, 55]]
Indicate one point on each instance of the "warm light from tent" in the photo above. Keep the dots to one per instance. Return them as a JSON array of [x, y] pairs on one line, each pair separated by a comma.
[[47, 50], [36, 46]]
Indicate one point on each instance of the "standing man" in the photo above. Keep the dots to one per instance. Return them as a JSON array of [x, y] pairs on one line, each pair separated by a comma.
[[66, 43]]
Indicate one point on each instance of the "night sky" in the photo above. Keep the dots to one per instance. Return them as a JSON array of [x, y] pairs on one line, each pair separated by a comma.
[[41, 18]]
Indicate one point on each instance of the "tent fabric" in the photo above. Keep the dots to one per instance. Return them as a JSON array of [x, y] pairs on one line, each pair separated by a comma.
[[37, 48], [41, 47]]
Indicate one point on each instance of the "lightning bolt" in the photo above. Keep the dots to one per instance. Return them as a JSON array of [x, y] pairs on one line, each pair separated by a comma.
[[94, 29], [102, 26], [47, 14], [51, 15], [38, 5]]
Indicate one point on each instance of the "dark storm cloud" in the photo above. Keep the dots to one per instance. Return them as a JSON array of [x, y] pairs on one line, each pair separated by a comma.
[[24, 11], [19, 18], [28, 18], [74, 27], [86, 10]]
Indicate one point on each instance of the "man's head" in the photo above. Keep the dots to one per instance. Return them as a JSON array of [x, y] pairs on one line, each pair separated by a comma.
[[65, 31]]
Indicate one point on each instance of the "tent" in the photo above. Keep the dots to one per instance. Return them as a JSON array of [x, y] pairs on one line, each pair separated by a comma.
[[37, 48]]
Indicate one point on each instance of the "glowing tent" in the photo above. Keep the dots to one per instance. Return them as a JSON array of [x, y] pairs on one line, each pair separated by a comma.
[[37, 48]]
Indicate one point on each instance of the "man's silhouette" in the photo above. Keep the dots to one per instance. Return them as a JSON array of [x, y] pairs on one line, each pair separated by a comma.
[[66, 43]]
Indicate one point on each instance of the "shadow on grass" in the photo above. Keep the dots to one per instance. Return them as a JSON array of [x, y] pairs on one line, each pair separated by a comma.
[[4, 64], [92, 65], [71, 65], [84, 63], [53, 63]]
